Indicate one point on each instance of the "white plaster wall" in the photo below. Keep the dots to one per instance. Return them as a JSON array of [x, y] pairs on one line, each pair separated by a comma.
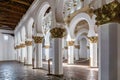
[[7, 51]]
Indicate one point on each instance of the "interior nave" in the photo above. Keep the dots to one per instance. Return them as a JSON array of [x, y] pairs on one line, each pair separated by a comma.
[[59, 39]]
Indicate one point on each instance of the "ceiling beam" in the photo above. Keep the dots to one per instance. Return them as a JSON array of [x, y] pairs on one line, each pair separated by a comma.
[[6, 27], [6, 13], [21, 2], [12, 11], [11, 17], [8, 20], [6, 23], [6, 31], [13, 6]]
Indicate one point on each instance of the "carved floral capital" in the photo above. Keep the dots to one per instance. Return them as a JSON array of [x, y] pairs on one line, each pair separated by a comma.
[[57, 32], [66, 47], [38, 39], [22, 45], [88, 47], [47, 46], [28, 43], [70, 43], [93, 39], [17, 47], [108, 13], [77, 46]]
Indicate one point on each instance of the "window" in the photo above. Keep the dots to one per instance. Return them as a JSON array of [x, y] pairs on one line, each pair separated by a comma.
[[5, 37]]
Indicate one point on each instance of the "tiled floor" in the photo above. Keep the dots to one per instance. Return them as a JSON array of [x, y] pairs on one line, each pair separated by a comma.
[[17, 71]]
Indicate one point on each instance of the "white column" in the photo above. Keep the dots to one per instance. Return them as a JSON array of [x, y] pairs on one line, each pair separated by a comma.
[[93, 51], [57, 57], [23, 51], [70, 52], [88, 52], [39, 56], [19, 54], [76, 51], [109, 49], [38, 43], [29, 52], [47, 52], [66, 52], [29, 55], [34, 55], [23, 54]]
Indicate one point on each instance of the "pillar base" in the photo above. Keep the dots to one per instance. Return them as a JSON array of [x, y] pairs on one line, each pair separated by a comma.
[[70, 63], [93, 67], [28, 64], [57, 75], [37, 68]]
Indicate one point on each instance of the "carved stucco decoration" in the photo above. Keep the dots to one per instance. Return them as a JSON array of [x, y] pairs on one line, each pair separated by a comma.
[[17, 47], [66, 47], [85, 9], [47, 46], [108, 13], [93, 39], [38, 39], [22, 45], [57, 32], [88, 47], [28, 43], [77, 46], [70, 43]]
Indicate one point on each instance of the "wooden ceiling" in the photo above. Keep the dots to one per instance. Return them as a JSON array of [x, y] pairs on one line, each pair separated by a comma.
[[11, 11]]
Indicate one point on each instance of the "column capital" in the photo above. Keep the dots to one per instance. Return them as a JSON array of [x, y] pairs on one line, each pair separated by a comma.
[[108, 13], [77, 46], [28, 43], [47, 46], [38, 39], [93, 39], [65, 47], [17, 47], [88, 47], [22, 45], [57, 32], [70, 43]]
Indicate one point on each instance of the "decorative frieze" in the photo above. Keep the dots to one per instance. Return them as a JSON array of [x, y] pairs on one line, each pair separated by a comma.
[[57, 32], [38, 39], [28, 43], [70, 43], [93, 39], [108, 13]]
